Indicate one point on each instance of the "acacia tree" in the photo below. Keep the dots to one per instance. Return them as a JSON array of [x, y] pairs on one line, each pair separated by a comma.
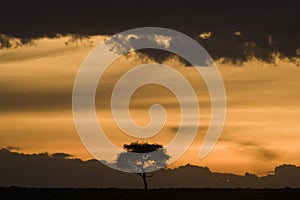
[[141, 158]]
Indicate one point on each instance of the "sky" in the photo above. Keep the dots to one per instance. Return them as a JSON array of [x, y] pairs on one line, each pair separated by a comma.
[[255, 47], [261, 128]]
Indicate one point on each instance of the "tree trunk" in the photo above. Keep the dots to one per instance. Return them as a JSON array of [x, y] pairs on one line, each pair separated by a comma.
[[145, 181]]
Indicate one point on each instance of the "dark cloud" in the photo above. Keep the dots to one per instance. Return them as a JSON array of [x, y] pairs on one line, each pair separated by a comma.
[[4, 41], [186, 128], [257, 150], [61, 170], [161, 45], [11, 148], [78, 39], [47, 100], [10, 42], [266, 28], [62, 155]]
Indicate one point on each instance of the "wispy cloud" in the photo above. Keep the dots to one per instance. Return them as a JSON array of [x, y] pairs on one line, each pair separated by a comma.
[[256, 150]]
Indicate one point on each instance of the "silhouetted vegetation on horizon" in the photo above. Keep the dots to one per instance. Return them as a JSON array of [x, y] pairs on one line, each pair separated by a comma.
[[63, 170]]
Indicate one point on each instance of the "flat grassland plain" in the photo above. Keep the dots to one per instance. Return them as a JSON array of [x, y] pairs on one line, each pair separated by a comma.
[[94, 193]]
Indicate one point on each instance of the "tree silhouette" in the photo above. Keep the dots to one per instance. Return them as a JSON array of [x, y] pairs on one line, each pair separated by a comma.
[[141, 158]]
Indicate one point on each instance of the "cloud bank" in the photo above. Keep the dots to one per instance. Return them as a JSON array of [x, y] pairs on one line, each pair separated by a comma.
[[233, 30]]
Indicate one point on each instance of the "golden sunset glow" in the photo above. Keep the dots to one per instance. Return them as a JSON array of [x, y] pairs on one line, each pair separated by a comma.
[[260, 132]]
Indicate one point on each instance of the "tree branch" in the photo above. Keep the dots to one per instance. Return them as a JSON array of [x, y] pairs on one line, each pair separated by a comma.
[[149, 176]]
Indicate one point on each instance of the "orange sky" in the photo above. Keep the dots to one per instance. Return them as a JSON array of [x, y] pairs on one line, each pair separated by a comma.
[[262, 124]]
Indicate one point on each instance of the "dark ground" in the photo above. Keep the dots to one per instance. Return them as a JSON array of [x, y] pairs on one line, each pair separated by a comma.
[[65, 193]]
